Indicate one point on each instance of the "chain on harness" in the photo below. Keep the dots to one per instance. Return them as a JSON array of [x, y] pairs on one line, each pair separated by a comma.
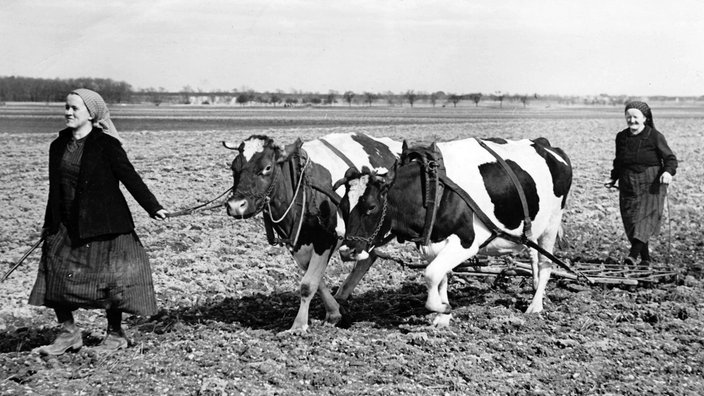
[[370, 240]]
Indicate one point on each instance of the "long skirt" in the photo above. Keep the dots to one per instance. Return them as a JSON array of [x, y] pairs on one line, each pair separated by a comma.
[[110, 273], [641, 200]]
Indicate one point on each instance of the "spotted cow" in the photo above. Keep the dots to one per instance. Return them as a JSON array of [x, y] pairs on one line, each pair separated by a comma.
[[386, 204], [292, 186]]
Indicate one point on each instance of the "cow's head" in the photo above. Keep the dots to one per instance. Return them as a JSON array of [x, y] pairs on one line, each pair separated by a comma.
[[256, 171], [367, 224]]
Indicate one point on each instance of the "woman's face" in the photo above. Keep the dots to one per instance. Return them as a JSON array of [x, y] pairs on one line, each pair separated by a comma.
[[76, 112], [635, 120]]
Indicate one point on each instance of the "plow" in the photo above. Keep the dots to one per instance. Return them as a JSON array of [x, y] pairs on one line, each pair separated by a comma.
[[592, 273]]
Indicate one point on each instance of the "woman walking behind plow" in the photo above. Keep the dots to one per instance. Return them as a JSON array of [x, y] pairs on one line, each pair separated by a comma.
[[91, 257], [644, 166]]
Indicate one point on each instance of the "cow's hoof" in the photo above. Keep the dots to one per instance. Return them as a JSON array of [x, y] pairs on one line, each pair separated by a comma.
[[344, 306], [443, 308], [294, 331], [442, 321], [333, 319], [534, 308]]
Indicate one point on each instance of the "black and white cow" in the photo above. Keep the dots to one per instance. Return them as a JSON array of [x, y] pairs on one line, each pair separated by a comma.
[[390, 204], [279, 181]]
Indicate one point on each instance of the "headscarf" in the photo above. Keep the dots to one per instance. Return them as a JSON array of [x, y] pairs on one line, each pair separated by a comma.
[[98, 110], [644, 108]]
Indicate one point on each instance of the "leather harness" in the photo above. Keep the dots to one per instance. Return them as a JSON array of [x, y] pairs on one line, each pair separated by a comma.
[[296, 171], [436, 178]]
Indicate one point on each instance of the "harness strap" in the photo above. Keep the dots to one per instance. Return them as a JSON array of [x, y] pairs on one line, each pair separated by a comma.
[[270, 223], [432, 190], [497, 232], [527, 224], [329, 193], [338, 153]]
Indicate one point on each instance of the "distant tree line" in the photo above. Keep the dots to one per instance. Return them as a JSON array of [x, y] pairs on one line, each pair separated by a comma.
[[27, 89]]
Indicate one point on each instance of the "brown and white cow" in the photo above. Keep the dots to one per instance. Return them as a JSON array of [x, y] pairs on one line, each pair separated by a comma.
[[387, 205], [280, 181]]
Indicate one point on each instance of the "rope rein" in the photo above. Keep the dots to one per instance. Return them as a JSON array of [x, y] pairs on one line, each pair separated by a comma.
[[199, 207], [293, 200]]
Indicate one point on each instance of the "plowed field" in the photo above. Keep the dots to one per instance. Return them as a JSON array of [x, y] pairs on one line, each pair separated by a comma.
[[226, 296]]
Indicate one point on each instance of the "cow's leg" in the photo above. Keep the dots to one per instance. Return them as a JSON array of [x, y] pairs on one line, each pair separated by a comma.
[[361, 267], [443, 319], [332, 308], [446, 259], [535, 267], [314, 266], [544, 265]]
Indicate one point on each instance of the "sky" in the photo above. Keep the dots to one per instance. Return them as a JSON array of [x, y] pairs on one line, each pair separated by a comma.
[[570, 47]]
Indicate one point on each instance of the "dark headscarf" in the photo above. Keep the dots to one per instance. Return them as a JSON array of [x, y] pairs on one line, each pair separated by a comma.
[[644, 108], [98, 110]]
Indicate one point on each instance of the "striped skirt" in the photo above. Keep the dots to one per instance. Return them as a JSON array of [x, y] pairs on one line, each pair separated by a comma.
[[641, 200], [112, 273]]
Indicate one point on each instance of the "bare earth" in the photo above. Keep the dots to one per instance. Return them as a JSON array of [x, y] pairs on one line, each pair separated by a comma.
[[226, 295]]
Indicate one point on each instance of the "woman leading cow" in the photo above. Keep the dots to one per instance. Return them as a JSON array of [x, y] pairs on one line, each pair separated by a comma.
[[91, 256], [643, 167]]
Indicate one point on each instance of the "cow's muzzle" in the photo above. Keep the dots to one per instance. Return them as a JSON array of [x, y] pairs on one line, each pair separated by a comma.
[[352, 254], [238, 208]]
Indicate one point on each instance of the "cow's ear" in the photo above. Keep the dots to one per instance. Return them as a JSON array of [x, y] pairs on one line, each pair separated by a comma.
[[404, 146], [366, 170], [351, 173], [390, 175], [290, 149]]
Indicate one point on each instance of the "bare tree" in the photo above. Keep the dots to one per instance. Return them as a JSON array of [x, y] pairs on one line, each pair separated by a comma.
[[243, 98], [275, 98], [524, 100], [475, 97], [410, 96], [433, 98], [369, 98], [330, 98], [348, 96], [186, 94], [390, 98], [454, 99]]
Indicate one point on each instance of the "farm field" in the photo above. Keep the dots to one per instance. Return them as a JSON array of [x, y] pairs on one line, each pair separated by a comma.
[[226, 296]]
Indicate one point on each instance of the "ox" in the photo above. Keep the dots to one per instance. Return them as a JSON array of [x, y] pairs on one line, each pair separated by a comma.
[[475, 207], [292, 186]]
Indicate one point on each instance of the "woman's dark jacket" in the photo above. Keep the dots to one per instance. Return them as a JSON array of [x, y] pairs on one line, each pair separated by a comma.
[[102, 209], [637, 152]]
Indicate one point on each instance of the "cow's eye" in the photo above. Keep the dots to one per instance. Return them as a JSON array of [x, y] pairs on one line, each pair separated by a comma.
[[371, 209], [266, 170]]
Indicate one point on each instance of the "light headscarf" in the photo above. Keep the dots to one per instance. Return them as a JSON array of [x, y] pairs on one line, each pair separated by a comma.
[[98, 110]]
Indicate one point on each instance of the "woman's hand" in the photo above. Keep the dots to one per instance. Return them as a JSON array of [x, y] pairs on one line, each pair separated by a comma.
[[665, 178], [161, 214]]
